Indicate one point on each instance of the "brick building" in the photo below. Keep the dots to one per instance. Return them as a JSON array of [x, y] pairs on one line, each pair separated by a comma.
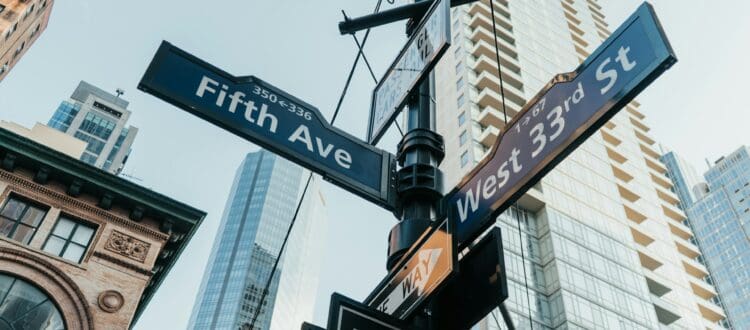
[[80, 248], [21, 23]]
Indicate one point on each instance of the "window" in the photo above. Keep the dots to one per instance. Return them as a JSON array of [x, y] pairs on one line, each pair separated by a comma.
[[461, 100], [24, 306], [19, 50], [28, 11], [459, 67], [19, 219], [464, 158], [2, 8], [462, 118], [460, 83], [69, 239], [463, 137], [11, 30], [35, 31], [3, 68], [97, 126]]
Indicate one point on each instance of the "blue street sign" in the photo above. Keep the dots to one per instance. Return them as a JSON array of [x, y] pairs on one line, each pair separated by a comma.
[[571, 108], [415, 61], [273, 119]]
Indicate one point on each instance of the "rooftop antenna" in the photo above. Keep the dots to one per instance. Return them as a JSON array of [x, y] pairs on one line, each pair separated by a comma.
[[119, 92]]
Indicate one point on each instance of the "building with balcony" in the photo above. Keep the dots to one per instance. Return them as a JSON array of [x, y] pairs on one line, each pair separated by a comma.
[[80, 248], [719, 215], [21, 24], [259, 210], [98, 118], [600, 242]]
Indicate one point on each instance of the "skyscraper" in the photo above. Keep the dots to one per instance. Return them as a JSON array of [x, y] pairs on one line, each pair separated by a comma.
[[684, 177], [97, 118], [600, 242], [260, 207], [720, 217], [21, 23]]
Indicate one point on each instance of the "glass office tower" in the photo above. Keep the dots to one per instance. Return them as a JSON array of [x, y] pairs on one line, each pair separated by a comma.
[[684, 177], [260, 207], [98, 118], [720, 217], [600, 242]]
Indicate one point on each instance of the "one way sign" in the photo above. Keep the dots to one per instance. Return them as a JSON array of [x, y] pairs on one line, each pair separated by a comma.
[[423, 269]]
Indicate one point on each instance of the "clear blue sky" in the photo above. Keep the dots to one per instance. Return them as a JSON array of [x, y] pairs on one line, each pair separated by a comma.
[[694, 109]]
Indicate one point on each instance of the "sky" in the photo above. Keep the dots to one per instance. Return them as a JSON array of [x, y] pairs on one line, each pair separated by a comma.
[[693, 109]]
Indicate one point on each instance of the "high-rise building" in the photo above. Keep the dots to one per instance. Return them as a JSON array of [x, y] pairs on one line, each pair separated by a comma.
[[600, 242], [260, 208], [684, 177], [97, 118], [21, 23], [720, 217]]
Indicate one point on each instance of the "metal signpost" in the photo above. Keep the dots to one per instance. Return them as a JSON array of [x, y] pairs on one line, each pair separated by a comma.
[[263, 114], [555, 122], [422, 249], [421, 272], [348, 314], [415, 61]]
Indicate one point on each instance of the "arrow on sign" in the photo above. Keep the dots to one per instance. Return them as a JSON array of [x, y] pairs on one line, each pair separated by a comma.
[[422, 271], [416, 279]]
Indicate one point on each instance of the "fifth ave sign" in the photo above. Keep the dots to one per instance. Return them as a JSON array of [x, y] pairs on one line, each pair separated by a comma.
[[558, 119], [271, 118]]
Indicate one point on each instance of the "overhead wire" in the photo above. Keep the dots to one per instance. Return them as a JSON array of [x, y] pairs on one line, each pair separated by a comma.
[[264, 293], [505, 115]]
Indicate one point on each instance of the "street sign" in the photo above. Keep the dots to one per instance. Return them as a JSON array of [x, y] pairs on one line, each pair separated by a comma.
[[269, 117], [347, 314], [414, 63], [558, 119], [479, 288], [308, 326], [421, 271]]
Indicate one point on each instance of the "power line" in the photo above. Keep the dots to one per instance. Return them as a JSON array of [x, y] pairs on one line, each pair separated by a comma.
[[309, 178], [505, 115]]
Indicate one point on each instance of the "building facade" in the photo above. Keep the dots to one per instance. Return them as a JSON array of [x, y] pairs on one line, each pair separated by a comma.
[[47, 136], [21, 23], [260, 207], [80, 248], [600, 242], [98, 118], [720, 217]]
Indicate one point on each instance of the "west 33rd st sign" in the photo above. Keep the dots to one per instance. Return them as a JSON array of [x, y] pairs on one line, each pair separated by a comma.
[[558, 119]]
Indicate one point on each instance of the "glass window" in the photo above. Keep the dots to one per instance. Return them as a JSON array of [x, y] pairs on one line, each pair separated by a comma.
[[461, 100], [23, 306], [463, 137], [69, 239], [464, 158], [97, 126], [19, 219], [460, 83], [462, 118]]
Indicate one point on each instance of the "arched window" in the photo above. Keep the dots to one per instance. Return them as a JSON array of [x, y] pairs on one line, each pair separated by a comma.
[[24, 306]]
